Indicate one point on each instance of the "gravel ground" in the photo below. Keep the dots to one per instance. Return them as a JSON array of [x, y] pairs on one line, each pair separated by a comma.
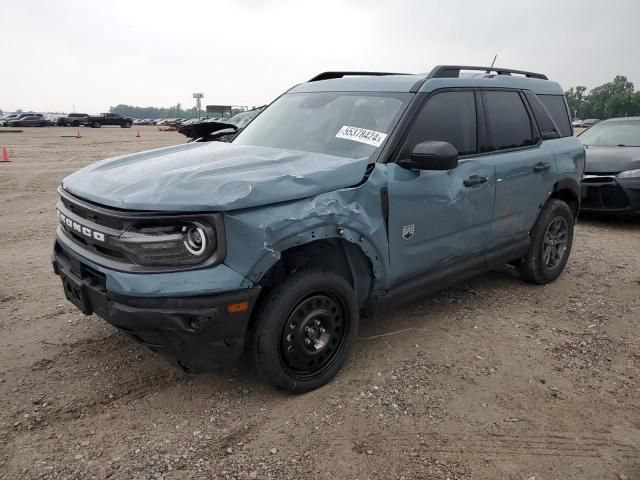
[[494, 378]]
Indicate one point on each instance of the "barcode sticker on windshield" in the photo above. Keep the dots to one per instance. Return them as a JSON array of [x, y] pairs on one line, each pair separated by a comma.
[[362, 135]]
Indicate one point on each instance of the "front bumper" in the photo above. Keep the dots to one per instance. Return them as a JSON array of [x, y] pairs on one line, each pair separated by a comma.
[[197, 333], [608, 194]]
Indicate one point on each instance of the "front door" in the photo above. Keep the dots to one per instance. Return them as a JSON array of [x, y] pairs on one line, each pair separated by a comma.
[[438, 219]]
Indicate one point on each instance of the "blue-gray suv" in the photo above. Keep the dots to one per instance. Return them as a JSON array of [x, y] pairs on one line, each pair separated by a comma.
[[349, 190]]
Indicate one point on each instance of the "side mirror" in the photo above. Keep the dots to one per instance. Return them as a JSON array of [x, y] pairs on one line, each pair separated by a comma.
[[432, 155]]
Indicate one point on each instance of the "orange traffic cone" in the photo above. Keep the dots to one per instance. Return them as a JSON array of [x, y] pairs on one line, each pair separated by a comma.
[[138, 133], [78, 133], [5, 155]]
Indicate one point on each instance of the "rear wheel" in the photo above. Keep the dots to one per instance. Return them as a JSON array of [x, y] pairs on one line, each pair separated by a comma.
[[96, 125], [126, 125], [305, 330], [551, 241]]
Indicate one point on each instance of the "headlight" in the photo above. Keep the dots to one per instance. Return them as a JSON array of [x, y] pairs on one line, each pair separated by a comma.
[[162, 244], [629, 174]]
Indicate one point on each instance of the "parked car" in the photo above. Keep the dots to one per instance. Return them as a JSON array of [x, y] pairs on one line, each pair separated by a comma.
[[577, 123], [76, 119], [342, 194], [611, 183], [4, 119], [30, 121], [589, 122], [18, 116], [109, 119], [217, 130]]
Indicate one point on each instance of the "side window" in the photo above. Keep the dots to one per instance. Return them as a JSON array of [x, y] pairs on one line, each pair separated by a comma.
[[547, 126], [509, 125], [557, 107], [448, 117]]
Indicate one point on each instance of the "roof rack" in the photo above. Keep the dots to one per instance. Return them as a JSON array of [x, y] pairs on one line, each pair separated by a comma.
[[453, 71], [330, 75]]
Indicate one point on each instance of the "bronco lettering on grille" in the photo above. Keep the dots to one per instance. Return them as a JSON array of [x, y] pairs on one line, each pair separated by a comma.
[[81, 229]]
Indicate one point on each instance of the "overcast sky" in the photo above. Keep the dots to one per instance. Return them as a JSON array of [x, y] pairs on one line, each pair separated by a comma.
[[57, 54]]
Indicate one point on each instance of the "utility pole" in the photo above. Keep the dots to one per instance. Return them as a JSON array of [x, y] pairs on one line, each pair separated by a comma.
[[198, 97]]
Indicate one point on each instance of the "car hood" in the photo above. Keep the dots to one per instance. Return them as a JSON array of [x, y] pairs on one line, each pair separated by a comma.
[[611, 159], [211, 176]]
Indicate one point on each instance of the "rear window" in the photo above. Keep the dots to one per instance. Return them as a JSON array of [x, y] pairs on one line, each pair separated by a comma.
[[557, 108], [508, 120]]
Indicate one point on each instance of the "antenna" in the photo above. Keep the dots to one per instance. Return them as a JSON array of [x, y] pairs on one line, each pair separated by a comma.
[[494, 61]]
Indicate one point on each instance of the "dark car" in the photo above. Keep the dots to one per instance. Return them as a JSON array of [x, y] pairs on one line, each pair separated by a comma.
[[109, 119], [30, 121], [219, 131], [76, 119], [6, 121], [611, 183]]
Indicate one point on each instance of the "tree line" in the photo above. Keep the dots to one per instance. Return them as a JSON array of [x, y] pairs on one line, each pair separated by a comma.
[[161, 112], [175, 111], [617, 98]]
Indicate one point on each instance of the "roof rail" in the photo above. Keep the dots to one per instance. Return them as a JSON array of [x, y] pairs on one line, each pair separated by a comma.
[[453, 71], [330, 75]]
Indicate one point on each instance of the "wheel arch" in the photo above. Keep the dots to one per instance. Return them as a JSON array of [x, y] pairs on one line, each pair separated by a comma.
[[337, 254], [568, 190]]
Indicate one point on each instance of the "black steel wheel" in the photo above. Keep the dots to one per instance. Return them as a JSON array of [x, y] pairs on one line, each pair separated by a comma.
[[313, 334], [551, 241], [304, 330]]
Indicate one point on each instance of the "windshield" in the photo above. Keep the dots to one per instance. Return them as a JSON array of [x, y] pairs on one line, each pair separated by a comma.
[[343, 124], [613, 134]]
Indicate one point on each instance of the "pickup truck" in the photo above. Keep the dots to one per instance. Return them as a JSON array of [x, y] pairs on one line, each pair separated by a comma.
[[109, 119]]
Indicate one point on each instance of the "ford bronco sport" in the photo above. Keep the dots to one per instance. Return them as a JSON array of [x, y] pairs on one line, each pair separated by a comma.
[[348, 190]]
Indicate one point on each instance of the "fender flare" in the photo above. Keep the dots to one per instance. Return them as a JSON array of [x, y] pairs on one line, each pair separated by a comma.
[[568, 183], [379, 265]]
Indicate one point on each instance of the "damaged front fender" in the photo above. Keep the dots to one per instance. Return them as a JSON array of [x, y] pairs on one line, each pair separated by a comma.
[[257, 238]]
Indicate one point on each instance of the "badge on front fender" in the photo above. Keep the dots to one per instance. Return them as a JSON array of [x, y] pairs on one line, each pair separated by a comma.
[[408, 231]]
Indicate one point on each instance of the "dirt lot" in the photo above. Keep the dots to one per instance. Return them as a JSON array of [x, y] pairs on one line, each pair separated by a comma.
[[492, 379]]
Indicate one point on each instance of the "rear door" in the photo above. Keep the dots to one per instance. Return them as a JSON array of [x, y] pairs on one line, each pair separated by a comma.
[[439, 219], [525, 166]]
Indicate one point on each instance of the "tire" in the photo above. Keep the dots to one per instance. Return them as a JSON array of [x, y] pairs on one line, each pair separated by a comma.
[[126, 125], [304, 331], [551, 242], [96, 125]]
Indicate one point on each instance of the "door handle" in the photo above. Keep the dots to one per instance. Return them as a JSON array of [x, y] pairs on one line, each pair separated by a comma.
[[475, 180], [541, 167]]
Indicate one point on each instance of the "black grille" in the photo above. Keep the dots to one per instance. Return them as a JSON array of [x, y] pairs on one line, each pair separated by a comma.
[[608, 196], [93, 216], [613, 197]]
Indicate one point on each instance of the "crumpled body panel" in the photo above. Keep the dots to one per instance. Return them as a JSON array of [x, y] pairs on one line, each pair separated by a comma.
[[257, 237], [212, 176]]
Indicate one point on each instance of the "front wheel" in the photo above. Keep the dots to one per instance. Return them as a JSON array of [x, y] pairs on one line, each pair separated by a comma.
[[305, 330], [551, 241], [96, 125], [126, 125]]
